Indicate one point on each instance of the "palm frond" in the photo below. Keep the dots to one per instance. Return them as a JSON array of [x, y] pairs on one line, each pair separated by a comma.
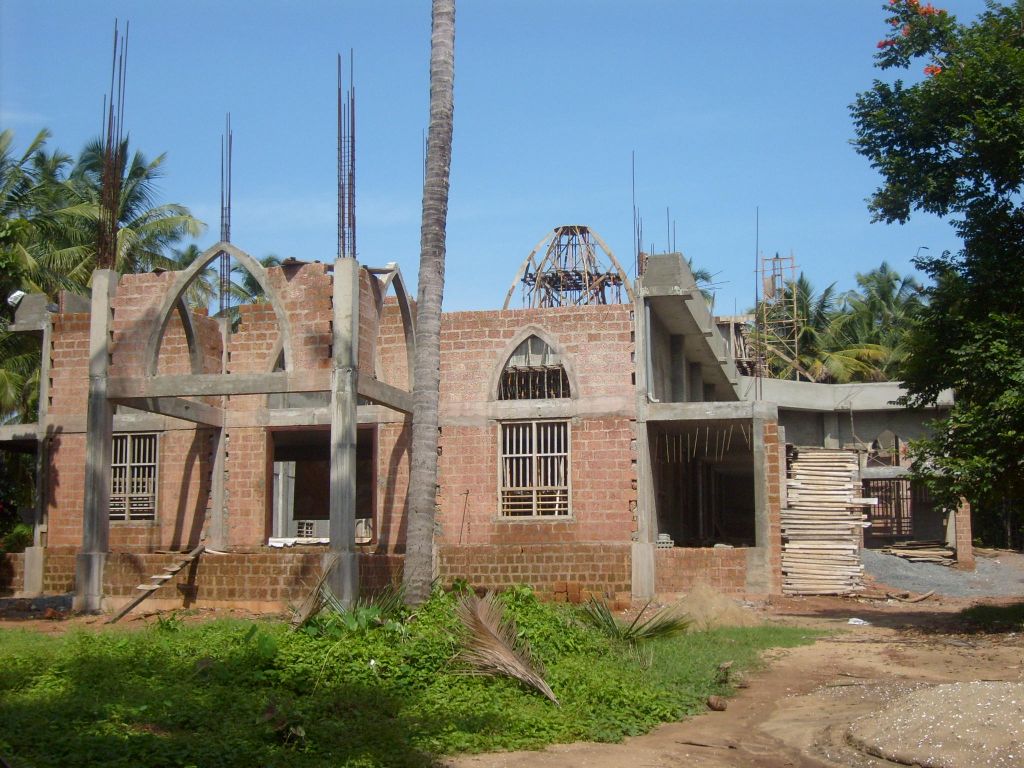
[[665, 622], [492, 646]]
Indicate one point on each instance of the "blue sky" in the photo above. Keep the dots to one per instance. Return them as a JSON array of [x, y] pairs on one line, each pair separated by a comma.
[[729, 107]]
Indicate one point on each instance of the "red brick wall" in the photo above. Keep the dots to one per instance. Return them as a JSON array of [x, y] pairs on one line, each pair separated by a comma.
[[597, 340], [65, 496], [280, 577], [392, 486], [964, 541], [135, 310], [602, 477], [599, 569], [247, 487], [368, 322], [680, 569], [12, 573], [306, 295], [69, 364], [392, 364], [59, 570]]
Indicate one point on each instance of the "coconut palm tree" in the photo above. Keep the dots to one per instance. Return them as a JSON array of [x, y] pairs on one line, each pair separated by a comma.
[[427, 370], [147, 230], [813, 344], [881, 311]]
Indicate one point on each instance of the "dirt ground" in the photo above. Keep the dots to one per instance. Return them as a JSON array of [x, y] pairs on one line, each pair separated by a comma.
[[797, 711]]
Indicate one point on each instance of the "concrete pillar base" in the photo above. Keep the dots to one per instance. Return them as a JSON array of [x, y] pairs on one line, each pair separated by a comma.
[[89, 582], [343, 576], [33, 585], [643, 570], [758, 571]]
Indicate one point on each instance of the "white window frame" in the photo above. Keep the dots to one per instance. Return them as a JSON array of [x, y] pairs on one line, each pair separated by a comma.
[[134, 477], [528, 451]]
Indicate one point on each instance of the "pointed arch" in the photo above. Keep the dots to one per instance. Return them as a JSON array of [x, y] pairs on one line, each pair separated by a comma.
[[524, 334], [184, 279], [390, 277], [195, 354]]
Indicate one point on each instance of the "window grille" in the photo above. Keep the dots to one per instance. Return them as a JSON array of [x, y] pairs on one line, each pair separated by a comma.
[[304, 529], [535, 469], [534, 371], [133, 477]]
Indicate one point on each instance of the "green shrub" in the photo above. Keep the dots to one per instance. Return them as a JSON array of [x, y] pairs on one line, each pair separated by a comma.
[[229, 693], [19, 537]]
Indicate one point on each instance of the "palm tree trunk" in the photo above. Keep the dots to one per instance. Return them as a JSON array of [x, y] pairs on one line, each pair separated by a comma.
[[427, 369]]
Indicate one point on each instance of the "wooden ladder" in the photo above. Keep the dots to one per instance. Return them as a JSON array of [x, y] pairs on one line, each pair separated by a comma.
[[157, 581]]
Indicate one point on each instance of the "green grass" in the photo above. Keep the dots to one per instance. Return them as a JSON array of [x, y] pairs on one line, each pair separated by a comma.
[[232, 693], [994, 618]]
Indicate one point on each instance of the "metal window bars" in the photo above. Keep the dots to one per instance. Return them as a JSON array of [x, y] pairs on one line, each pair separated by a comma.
[[535, 469], [133, 477]]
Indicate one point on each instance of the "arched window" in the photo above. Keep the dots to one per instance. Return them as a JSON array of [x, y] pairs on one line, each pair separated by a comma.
[[534, 371]]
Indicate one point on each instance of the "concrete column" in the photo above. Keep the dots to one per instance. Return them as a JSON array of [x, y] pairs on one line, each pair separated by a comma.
[[642, 556], [217, 531], [35, 556], [342, 559], [99, 436], [695, 382], [830, 430], [758, 557]]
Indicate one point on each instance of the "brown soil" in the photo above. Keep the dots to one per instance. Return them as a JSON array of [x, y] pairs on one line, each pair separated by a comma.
[[798, 711]]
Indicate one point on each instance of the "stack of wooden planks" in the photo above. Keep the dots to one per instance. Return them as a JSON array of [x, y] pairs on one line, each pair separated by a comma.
[[821, 528], [923, 552]]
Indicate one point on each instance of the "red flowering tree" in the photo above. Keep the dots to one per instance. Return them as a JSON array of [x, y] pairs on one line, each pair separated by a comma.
[[952, 144]]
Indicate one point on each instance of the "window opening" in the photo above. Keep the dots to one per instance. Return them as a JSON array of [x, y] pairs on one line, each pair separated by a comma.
[[534, 371], [133, 477], [535, 469]]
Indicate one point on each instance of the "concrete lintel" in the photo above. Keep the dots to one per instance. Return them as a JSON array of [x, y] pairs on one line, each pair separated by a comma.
[[710, 410], [384, 394], [479, 413], [197, 385], [280, 417], [19, 433], [178, 408]]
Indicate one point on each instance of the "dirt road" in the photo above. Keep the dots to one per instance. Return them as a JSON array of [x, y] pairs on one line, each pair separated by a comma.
[[796, 712]]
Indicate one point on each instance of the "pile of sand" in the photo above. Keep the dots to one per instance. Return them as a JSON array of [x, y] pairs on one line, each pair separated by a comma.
[[708, 608], [957, 725]]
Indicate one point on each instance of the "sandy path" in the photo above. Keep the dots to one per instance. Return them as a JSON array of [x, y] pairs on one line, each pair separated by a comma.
[[796, 712]]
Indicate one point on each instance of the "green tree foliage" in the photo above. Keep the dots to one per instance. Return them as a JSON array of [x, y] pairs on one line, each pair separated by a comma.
[[952, 144], [813, 337]]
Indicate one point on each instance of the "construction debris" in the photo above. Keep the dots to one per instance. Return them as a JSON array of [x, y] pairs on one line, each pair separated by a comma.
[[923, 552]]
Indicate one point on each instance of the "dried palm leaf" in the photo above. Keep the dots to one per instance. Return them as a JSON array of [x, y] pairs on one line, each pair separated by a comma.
[[491, 644]]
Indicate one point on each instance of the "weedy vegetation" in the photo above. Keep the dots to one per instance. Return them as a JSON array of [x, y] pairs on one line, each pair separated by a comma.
[[366, 687]]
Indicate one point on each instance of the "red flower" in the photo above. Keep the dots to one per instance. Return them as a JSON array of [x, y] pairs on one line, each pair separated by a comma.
[[884, 43], [905, 31], [932, 69]]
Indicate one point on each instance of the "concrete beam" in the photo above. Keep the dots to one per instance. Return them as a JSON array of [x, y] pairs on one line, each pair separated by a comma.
[[179, 408], [198, 385], [384, 394], [709, 410], [810, 396]]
